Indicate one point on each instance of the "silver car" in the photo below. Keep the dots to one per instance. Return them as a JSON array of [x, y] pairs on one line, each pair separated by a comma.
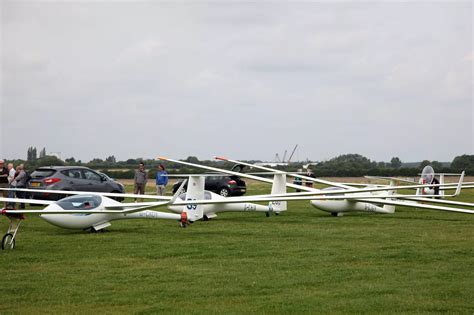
[[72, 178]]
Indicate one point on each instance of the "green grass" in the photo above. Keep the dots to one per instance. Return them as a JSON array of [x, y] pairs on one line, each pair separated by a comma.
[[303, 261]]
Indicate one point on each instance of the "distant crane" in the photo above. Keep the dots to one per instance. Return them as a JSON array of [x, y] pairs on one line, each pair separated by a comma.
[[289, 159], [277, 157]]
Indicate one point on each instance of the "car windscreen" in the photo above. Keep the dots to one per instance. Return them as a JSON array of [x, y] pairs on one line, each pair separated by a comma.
[[80, 202], [42, 173], [105, 176]]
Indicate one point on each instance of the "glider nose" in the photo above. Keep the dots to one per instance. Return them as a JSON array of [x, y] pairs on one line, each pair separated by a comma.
[[52, 206], [51, 218]]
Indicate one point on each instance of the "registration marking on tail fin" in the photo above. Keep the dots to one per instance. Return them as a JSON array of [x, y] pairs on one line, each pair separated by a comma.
[[195, 191], [278, 188]]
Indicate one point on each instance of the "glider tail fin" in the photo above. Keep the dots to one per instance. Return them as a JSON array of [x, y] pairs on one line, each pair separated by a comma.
[[278, 188], [390, 208], [195, 191], [461, 179]]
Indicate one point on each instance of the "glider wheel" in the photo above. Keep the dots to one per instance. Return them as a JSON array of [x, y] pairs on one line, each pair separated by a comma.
[[8, 242]]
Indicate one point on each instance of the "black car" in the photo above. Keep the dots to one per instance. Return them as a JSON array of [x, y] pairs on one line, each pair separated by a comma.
[[223, 185], [73, 178]]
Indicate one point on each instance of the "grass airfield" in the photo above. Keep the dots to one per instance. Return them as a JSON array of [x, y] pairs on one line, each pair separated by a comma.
[[303, 261]]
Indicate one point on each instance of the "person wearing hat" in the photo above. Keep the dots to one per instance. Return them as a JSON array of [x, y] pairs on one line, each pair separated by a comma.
[[3, 179]]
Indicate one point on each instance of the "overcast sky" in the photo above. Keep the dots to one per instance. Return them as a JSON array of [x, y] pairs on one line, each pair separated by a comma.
[[244, 80]]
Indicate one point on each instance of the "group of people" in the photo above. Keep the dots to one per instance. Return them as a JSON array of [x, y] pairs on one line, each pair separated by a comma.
[[307, 183], [141, 179], [11, 177]]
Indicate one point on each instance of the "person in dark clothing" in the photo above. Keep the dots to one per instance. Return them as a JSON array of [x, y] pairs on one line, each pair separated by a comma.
[[298, 181], [3, 179], [435, 181], [308, 182], [140, 180]]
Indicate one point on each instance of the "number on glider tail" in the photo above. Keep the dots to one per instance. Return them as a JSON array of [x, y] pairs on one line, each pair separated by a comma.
[[191, 206]]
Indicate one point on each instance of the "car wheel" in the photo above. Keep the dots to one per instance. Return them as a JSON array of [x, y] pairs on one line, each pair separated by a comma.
[[119, 199], [224, 192]]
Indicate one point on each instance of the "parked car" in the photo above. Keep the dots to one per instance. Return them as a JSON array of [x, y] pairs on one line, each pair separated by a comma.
[[223, 185], [73, 178]]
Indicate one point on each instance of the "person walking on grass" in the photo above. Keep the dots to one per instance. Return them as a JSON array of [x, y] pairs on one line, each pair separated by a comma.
[[161, 180], [140, 180]]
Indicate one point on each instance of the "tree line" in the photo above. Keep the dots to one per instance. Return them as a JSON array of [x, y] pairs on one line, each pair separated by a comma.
[[358, 165], [347, 165]]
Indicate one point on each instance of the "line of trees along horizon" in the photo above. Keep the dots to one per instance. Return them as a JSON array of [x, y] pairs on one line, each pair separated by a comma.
[[346, 165]]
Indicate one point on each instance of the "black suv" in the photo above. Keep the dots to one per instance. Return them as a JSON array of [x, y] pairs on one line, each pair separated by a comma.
[[223, 185], [73, 178]]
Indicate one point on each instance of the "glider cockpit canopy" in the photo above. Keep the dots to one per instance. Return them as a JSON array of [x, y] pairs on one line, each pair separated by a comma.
[[80, 202], [428, 174]]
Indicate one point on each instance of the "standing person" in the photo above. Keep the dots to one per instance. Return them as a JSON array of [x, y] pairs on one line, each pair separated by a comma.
[[11, 177], [140, 180], [309, 173], [298, 180], [3, 179], [435, 181], [161, 180], [20, 182], [11, 172]]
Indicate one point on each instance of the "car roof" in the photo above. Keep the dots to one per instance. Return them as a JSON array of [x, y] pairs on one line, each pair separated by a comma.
[[60, 168]]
